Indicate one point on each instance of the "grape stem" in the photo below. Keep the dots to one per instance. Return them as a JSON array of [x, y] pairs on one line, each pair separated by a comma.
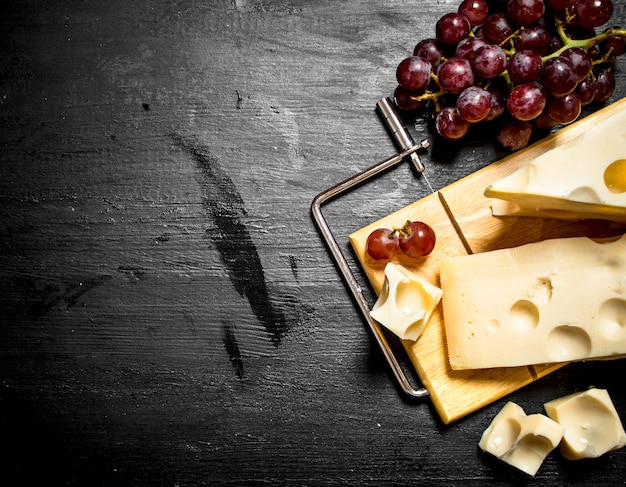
[[432, 95], [585, 44]]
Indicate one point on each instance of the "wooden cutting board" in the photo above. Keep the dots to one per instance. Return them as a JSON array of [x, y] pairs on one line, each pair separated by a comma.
[[457, 393]]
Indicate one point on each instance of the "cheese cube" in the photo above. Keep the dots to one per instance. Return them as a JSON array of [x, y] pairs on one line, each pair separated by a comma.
[[582, 178], [592, 425], [520, 440], [405, 303], [557, 300]]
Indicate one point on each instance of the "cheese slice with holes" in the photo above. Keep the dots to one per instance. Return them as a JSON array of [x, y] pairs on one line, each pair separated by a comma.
[[581, 179], [406, 302], [557, 300]]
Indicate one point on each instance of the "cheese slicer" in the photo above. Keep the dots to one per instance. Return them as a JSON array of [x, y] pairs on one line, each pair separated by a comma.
[[408, 151]]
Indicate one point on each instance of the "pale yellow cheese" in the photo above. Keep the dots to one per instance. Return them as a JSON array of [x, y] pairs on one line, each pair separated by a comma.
[[592, 425], [523, 441], [405, 303], [580, 179], [557, 300]]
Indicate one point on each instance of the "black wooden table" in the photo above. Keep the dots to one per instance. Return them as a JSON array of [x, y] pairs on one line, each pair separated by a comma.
[[170, 315]]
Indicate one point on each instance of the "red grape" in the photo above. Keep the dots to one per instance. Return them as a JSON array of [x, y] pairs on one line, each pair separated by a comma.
[[559, 76], [475, 11], [417, 239], [455, 74], [406, 100], [430, 50], [468, 46], [514, 134], [474, 104], [525, 66], [526, 101], [535, 38], [544, 122], [586, 90], [452, 28], [593, 13], [580, 59], [497, 28], [525, 12], [413, 73], [605, 85], [489, 61], [450, 125], [382, 244], [564, 109]]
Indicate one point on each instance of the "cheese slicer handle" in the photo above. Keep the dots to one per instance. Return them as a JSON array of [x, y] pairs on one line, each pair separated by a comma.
[[399, 132]]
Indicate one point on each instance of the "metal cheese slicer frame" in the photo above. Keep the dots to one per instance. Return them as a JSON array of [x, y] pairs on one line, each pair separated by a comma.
[[408, 150]]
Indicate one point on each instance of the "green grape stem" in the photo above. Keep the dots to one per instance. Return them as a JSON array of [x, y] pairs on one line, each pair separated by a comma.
[[431, 95], [585, 44]]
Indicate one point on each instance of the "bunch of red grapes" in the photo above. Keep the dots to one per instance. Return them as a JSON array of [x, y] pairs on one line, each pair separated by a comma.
[[531, 64]]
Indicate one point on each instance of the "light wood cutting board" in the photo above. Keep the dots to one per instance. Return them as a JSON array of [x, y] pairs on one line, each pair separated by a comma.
[[455, 394]]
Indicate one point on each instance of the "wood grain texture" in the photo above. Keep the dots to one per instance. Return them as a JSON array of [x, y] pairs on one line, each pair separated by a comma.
[[169, 314]]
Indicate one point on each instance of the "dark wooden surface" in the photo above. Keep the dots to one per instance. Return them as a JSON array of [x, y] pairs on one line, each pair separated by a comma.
[[170, 315]]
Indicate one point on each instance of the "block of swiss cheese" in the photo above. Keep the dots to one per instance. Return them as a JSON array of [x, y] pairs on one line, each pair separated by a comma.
[[584, 177], [551, 301]]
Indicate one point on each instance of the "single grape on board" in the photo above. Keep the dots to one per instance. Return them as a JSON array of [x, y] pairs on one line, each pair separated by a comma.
[[382, 244]]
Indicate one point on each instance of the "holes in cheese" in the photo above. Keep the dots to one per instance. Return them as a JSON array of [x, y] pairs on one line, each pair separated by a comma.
[[406, 302], [591, 424], [524, 315], [568, 342], [582, 178], [611, 319], [615, 176], [552, 301], [523, 441], [584, 194]]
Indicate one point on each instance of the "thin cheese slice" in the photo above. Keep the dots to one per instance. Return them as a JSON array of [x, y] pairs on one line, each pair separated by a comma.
[[584, 178], [557, 300]]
